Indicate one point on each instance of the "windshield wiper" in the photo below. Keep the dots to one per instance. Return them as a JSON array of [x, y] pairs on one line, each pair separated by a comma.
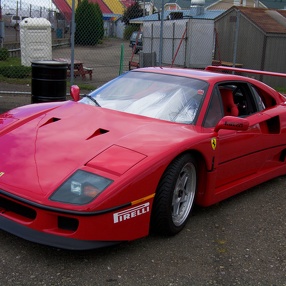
[[92, 99]]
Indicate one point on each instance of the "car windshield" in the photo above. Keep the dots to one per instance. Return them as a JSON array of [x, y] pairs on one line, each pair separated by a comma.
[[135, 35], [161, 96]]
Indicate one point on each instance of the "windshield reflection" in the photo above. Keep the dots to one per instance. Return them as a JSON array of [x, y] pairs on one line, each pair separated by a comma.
[[166, 97]]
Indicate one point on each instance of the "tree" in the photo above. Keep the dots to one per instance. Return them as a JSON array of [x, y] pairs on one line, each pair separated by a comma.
[[89, 23], [133, 11]]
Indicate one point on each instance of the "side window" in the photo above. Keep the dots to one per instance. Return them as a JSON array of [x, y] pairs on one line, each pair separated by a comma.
[[238, 99], [262, 99], [214, 112], [258, 99], [235, 99]]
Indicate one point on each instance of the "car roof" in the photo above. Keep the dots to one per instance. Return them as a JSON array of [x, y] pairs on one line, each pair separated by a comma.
[[209, 76]]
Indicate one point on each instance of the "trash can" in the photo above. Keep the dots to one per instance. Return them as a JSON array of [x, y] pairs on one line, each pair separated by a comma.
[[49, 81]]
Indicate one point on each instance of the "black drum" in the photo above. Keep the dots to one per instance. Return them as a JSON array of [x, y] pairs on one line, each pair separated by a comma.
[[49, 81]]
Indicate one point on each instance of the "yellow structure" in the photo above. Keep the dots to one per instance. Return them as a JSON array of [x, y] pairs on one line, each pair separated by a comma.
[[70, 2], [115, 6]]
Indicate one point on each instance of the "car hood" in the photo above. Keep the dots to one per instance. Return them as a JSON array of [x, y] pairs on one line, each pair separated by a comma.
[[40, 151]]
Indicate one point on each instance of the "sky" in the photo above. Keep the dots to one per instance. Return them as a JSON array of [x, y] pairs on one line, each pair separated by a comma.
[[13, 3]]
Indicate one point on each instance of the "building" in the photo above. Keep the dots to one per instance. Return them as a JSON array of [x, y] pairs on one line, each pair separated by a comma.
[[188, 36], [253, 37]]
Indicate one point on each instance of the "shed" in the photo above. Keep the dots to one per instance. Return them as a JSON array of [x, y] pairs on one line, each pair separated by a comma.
[[188, 36], [254, 37]]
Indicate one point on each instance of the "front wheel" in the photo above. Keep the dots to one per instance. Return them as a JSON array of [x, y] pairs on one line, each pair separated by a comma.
[[175, 196]]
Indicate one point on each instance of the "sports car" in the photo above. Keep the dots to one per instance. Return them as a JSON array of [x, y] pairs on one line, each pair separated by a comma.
[[135, 155]]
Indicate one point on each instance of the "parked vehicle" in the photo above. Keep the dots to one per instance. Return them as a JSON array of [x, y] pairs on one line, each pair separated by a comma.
[[136, 154], [13, 20], [136, 41]]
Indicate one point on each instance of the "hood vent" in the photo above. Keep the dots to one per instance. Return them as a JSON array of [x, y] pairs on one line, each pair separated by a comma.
[[99, 131], [51, 120]]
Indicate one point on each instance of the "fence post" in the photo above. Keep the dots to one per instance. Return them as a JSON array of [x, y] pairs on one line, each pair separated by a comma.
[[161, 35], [121, 59], [236, 38]]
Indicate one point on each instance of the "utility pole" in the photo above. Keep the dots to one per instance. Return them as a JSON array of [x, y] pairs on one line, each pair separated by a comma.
[[2, 28], [161, 34]]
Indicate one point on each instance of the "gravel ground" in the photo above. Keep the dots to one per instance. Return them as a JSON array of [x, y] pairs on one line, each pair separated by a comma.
[[104, 59]]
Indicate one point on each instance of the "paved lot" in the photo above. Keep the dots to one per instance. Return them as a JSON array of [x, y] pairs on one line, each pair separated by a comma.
[[237, 242], [106, 59]]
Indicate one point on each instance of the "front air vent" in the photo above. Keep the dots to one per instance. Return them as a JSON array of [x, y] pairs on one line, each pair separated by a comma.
[[9, 206], [98, 132], [282, 156], [274, 125], [67, 223], [51, 120]]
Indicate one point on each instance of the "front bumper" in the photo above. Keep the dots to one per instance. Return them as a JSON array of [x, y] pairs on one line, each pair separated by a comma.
[[51, 239], [73, 230]]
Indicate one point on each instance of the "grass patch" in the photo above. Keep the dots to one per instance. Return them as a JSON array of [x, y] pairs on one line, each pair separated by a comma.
[[83, 86], [11, 68], [12, 71], [15, 80], [10, 62], [281, 89]]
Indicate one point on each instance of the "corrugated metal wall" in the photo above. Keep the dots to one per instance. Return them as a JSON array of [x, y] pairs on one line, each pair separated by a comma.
[[188, 43], [275, 59]]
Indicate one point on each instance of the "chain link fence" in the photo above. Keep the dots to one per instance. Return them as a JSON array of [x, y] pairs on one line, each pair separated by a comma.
[[94, 48], [95, 43]]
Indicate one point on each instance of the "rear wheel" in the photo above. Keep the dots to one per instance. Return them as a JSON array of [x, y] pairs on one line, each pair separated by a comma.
[[175, 196]]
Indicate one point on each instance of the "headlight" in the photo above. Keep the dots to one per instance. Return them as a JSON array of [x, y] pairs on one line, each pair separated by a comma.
[[81, 188]]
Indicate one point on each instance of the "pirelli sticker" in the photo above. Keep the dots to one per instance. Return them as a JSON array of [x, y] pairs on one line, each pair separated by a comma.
[[213, 143], [131, 213]]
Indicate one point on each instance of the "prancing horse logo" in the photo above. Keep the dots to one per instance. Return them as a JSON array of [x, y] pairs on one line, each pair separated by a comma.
[[213, 142], [1, 174]]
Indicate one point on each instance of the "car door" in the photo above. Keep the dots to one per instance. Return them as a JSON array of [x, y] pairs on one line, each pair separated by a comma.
[[242, 154]]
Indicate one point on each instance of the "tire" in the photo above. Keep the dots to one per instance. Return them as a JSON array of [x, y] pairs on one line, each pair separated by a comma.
[[175, 196]]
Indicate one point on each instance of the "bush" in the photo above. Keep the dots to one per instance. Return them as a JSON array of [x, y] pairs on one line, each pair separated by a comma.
[[4, 54], [15, 71], [89, 24]]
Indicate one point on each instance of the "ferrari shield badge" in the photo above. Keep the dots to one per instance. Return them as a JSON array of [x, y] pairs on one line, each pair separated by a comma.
[[1, 174], [213, 142]]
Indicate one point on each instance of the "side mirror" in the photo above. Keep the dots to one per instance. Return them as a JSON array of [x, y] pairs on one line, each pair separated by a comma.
[[74, 92], [232, 123]]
